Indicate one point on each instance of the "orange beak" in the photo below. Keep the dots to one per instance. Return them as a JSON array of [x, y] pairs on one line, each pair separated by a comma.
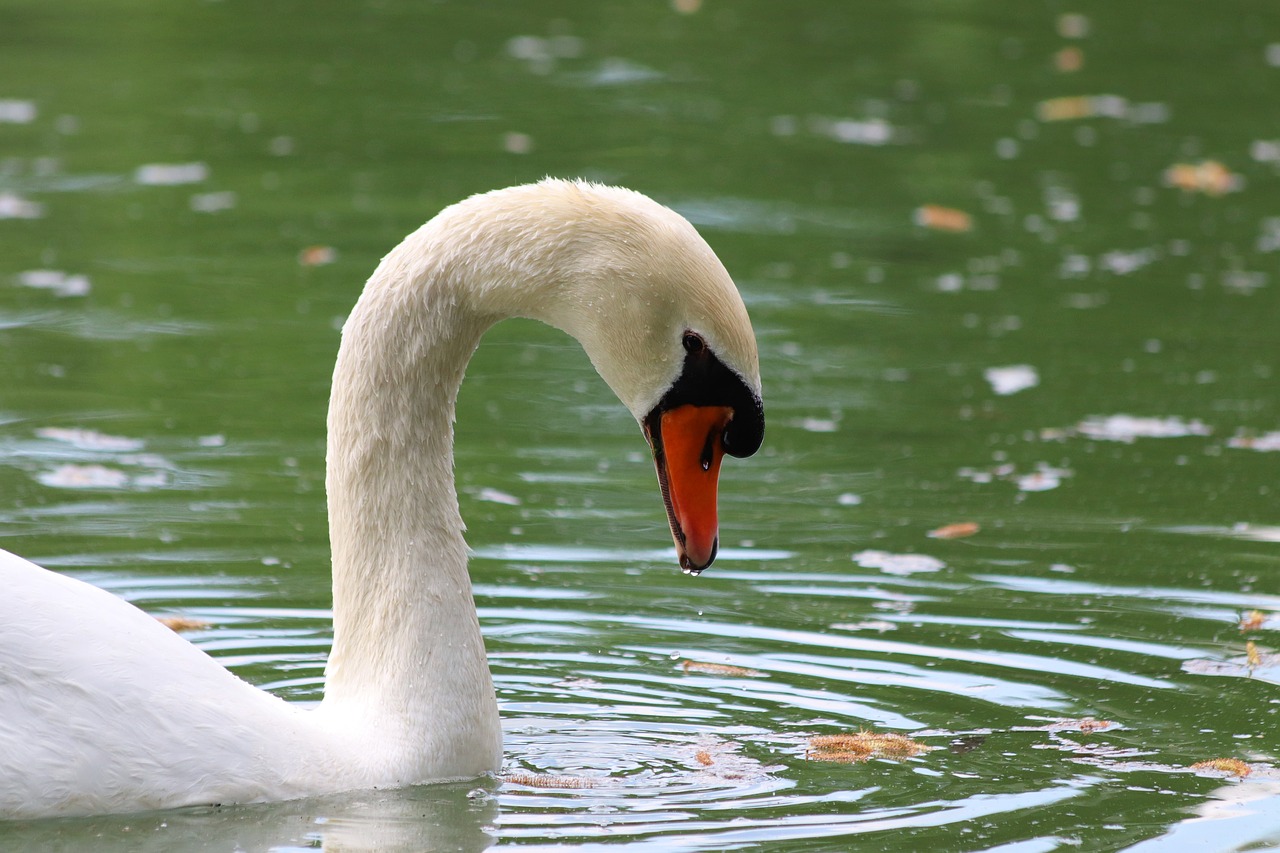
[[687, 452]]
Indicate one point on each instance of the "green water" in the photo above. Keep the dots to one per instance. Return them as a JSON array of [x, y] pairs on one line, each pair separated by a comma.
[[1125, 498]]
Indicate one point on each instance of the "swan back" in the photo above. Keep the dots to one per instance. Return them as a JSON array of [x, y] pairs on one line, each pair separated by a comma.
[[103, 708]]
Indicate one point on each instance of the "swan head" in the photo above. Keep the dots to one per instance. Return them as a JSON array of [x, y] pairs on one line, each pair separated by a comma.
[[707, 411], [664, 325]]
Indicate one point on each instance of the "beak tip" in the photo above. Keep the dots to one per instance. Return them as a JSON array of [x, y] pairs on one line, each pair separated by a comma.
[[689, 566]]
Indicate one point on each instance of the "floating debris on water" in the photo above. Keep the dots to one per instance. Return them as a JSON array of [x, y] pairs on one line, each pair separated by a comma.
[[1073, 25], [1075, 265], [1209, 177], [982, 476], [542, 54], [851, 131], [862, 746], [1254, 663], [1124, 262], [1075, 107], [1081, 106], [1044, 478], [723, 759], [1080, 724], [96, 476], [1062, 205], [1128, 428], [1267, 442], [88, 439], [1243, 282], [818, 424], [317, 256], [213, 202], [1086, 301], [959, 530], [14, 206], [941, 218], [17, 112], [898, 564], [1265, 151], [616, 71], [1118, 759], [1069, 59], [549, 780], [183, 623], [1252, 621], [1041, 479], [1091, 725], [56, 282], [720, 669], [1269, 237], [1230, 766], [515, 142], [84, 477], [1011, 379], [281, 146], [497, 497], [171, 174]]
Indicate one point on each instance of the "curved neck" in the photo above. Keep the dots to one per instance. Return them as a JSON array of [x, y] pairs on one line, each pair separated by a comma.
[[407, 646], [606, 266]]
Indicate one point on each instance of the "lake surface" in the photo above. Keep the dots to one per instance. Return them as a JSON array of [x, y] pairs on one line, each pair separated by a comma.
[[1012, 271]]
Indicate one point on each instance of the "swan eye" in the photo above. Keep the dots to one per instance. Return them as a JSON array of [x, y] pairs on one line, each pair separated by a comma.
[[693, 343]]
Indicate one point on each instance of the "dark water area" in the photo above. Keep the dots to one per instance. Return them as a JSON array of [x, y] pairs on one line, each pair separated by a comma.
[[1012, 270]]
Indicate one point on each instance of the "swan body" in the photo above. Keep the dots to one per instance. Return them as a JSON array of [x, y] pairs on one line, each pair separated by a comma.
[[103, 709]]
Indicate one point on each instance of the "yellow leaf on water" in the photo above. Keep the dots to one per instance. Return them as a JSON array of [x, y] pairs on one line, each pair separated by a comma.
[[182, 623], [959, 530], [1209, 177], [1065, 109], [941, 218], [1252, 621], [720, 669], [1234, 766]]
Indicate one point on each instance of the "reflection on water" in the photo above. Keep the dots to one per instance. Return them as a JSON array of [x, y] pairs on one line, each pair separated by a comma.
[[1234, 817], [1011, 271], [437, 817]]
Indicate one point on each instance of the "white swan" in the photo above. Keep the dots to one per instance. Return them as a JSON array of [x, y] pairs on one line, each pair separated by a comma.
[[102, 709]]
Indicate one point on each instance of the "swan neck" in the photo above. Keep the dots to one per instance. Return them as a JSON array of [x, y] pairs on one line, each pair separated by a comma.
[[407, 648]]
